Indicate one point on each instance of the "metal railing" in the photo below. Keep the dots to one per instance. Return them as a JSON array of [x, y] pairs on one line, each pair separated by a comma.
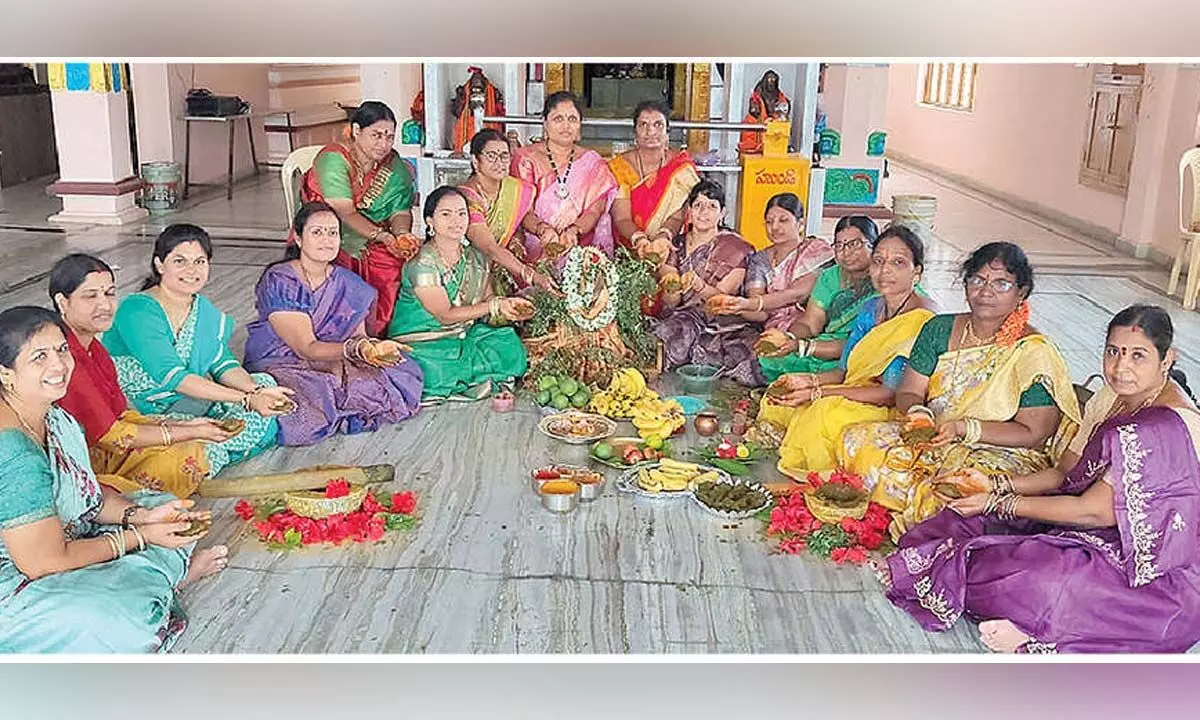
[[626, 122]]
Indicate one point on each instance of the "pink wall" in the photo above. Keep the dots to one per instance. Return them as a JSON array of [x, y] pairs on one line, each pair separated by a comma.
[[1024, 137], [209, 142]]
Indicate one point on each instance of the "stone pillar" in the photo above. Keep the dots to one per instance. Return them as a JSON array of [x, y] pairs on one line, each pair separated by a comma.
[[97, 184]]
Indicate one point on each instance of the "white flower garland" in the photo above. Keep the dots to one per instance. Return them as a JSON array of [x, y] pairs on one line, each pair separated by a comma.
[[579, 299]]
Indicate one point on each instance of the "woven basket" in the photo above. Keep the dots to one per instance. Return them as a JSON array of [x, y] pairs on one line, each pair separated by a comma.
[[832, 514], [313, 503]]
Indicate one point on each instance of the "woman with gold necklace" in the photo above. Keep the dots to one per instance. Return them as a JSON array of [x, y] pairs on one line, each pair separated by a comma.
[[310, 335], [445, 299], [82, 569], [996, 390], [170, 346], [501, 210], [575, 188], [1097, 554]]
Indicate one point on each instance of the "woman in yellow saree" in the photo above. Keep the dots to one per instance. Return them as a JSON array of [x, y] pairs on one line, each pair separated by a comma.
[[500, 206], [863, 388], [997, 392]]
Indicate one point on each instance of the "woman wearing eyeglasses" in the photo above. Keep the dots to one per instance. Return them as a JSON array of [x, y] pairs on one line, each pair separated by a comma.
[[499, 206], [996, 391]]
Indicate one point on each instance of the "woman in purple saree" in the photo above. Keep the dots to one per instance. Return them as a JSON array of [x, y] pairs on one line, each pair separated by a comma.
[[1100, 558], [310, 337]]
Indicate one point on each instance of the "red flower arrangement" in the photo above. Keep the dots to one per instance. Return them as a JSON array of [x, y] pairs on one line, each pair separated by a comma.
[[847, 541], [281, 528]]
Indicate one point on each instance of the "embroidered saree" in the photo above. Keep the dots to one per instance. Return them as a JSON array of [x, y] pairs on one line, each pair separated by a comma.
[[657, 196], [590, 185], [122, 606], [379, 194], [842, 302], [463, 360], [688, 334], [94, 398], [503, 218], [1134, 587], [151, 362], [808, 257], [876, 353], [332, 396], [989, 383]]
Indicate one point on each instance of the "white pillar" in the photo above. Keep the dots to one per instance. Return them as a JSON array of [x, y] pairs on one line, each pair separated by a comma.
[[396, 85], [97, 184]]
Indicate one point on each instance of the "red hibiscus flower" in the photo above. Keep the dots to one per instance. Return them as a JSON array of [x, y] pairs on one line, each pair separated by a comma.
[[244, 510], [404, 503], [337, 489]]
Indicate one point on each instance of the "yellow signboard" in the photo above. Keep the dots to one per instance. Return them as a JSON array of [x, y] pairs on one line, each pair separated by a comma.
[[762, 178]]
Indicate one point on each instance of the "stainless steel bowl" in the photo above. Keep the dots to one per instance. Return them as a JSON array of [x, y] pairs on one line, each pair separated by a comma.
[[561, 503], [590, 491]]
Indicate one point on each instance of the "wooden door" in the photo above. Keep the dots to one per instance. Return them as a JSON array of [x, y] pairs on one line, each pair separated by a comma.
[[1111, 129]]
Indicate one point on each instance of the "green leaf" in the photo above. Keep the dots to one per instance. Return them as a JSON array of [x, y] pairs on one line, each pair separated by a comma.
[[396, 521], [733, 467], [292, 538]]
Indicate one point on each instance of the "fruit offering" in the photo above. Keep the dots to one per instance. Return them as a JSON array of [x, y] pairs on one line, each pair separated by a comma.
[[672, 476], [626, 452], [658, 418], [625, 390], [562, 393]]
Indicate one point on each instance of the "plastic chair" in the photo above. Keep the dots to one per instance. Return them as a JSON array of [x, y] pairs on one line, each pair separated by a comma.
[[1189, 244], [299, 161]]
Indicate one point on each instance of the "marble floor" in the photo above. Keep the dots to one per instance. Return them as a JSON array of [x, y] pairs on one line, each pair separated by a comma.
[[487, 570]]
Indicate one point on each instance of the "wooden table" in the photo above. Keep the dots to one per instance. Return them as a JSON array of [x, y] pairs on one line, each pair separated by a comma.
[[231, 121]]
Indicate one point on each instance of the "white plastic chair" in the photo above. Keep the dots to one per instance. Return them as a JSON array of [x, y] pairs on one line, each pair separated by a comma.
[[1189, 243], [299, 161]]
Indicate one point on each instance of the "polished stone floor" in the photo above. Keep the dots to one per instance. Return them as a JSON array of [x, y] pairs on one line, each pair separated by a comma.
[[487, 570]]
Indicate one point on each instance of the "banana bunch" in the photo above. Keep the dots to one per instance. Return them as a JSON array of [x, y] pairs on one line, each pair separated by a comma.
[[625, 391], [657, 417], [673, 476]]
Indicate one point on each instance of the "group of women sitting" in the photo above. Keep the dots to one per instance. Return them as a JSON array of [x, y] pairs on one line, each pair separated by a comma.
[[1063, 529]]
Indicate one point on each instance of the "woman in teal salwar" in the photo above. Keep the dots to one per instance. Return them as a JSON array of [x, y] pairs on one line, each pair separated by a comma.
[[170, 346], [444, 296], [82, 569]]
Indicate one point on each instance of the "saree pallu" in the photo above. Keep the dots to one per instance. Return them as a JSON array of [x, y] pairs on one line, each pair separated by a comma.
[[805, 259], [590, 184], [503, 219], [335, 395], [378, 193], [94, 398], [841, 307], [815, 430], [1134, 587], [151, 362], [126, 605], [656, 197], [689, 335], [985, 383], [460, 360]]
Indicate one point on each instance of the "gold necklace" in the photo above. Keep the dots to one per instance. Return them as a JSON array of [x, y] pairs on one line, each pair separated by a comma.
[[308, 278], [970, 336], [641, 172], [28, 428], [488, 202]]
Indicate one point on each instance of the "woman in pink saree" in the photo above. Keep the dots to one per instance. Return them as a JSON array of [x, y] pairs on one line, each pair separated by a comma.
[[575, 187], [1097, 555]]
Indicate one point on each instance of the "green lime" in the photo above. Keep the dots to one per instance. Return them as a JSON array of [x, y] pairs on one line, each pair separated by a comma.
[[603, 450], [579, 399], [560, 401], [567, 386], [547, 382], [654, 442], [543, 397]]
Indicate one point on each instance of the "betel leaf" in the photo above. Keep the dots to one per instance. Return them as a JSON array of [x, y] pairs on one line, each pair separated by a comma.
[[733, 467]]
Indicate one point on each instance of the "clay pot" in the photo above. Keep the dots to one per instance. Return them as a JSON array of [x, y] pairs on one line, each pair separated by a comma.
[[706, 424]]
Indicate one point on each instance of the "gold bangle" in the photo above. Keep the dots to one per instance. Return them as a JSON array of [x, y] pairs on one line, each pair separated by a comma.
[[141, 539], [760, 304], [112, 545], [973, 432]]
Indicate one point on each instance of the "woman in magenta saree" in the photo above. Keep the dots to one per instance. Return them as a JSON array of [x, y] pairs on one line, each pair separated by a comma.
[[1101, 559], [310, 337], [575, 188]]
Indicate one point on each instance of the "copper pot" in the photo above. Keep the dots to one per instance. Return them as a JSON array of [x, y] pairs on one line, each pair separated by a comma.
[[706, 424]]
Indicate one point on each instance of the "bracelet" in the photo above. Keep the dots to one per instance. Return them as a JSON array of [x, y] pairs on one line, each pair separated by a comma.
[[803, 347], [921, 410], [168, 437], [376, 234], [112, 545], [141, 539], [127, 516], [791, 336], [494, 308], [1006, 507], [760, 304], [1002, 484], [527, 274], [816, 393], [973, 432]]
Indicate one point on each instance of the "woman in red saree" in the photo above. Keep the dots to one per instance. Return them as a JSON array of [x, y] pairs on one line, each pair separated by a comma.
[[370, 188], [653, 182]]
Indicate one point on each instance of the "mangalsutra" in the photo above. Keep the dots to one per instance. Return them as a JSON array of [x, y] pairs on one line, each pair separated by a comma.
[[562, 191]]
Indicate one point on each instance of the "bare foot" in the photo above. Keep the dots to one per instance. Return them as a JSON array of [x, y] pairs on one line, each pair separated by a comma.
[[206, 562], [1001, 636], [882, 572]]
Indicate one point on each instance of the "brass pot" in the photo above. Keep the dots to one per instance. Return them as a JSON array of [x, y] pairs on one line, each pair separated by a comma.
[[706, 424]]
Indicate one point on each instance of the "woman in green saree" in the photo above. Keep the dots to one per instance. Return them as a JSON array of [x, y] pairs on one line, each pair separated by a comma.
[[170, 346], [445, 293], [370, 187], [500, 206]]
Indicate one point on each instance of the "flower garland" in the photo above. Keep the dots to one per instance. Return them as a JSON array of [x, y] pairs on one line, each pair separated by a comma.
[[282, 529], [582, 295], [847, 541]]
